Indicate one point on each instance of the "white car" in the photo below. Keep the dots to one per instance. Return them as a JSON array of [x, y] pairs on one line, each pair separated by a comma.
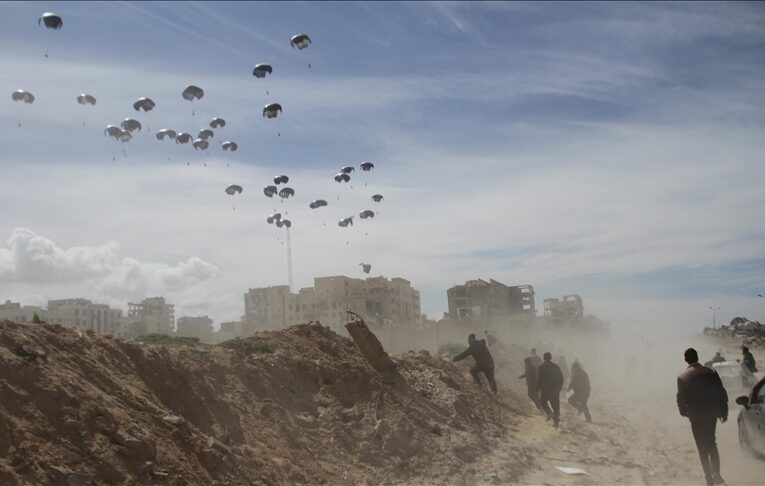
[[736, 378]]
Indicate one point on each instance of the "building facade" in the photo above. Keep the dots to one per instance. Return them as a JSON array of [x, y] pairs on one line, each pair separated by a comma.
[[152, 316], [380, 301], [482, 301], [200, 327], [84, 314], [13, 311], [566, 311]]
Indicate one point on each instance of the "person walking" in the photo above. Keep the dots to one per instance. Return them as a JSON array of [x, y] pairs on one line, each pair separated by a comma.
[[535, 359], [530, 373], [550, 383], [701, 398], [580, 383], [483, 361], [749, 361]]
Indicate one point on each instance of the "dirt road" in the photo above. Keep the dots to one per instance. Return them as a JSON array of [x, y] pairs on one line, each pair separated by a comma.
[[637, 436]]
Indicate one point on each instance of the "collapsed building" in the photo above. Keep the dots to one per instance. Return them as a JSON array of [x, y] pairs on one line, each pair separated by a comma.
[[568, 312], [491, 303]]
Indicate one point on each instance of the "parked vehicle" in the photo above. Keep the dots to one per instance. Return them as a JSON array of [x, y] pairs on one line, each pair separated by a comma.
[[751, 420], [736, 378]]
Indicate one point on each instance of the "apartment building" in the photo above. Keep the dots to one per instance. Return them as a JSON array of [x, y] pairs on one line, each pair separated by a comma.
[[13, 311], [380, 301], [84, 314], [152, 316], [479, 300]]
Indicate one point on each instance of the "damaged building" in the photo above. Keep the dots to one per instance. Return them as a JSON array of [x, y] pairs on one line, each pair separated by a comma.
[[490, 302]]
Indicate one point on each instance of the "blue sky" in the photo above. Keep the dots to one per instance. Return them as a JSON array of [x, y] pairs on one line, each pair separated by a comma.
[[609, 149]]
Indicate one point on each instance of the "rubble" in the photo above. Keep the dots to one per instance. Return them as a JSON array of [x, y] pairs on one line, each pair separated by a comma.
[[300, 405], [750, 332]]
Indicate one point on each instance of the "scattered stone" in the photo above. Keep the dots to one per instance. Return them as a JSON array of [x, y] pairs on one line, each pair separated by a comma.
[[77, 479], [174, 420], [146, 467], [214, 443]]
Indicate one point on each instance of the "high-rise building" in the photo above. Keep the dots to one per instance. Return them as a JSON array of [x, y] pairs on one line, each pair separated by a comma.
[[199, 327], [83, 314]]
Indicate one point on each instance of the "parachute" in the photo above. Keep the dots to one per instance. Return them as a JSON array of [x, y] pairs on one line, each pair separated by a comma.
[[347, 169], [282, 179], [377, 198], [367, 213], [286, 192], [271, 110], [261, 70], [319, 203], [269, 191], [343, 223], [205, 134], [166, 132], [284, 222], [192, 92], [230, 146], [342, 177], [217, 122], [183, 137], [367, 166], [145, 104], [117, 133], [365, 267], [200, 144], [301, 41], [51, 21], [23, 95], [131, 125], [233, 189], [86, 99]]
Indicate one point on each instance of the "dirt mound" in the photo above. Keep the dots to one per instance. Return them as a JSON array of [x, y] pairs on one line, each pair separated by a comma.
[[294, 406]]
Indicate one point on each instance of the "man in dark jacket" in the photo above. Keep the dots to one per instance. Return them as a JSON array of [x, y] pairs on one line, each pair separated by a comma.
[[483, 361], [580, 383], [749, 361], [702, 398], [550, 383], [530, 374]]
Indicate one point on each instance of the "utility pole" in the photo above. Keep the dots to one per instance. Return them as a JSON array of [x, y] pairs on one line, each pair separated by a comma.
[[289, 259], [714, 316]]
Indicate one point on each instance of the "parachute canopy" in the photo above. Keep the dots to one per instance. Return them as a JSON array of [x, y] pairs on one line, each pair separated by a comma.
[[365, 267], [269, 191], [347, 169], [51, 21], [117, 133], [282, 179], [377, 198], [205, 134], [284, 222], [319, 203], [286, 192], [217, 122], [86, 99], [23, 95], [367, 166], [183, 137], [261, 70], [131, 125], [301, 41], [200, 144], [274, 217], [367, 213], [271, 110], [166, 133], [342, 177], [233, 189], [192, 92], [343, 223], [145, 104], [230, 146]]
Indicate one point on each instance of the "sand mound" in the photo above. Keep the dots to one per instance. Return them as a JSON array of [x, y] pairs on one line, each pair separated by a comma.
[[294, 406]]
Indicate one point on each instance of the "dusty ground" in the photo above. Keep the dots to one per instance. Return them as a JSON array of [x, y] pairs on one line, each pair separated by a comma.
[[301, 406]]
